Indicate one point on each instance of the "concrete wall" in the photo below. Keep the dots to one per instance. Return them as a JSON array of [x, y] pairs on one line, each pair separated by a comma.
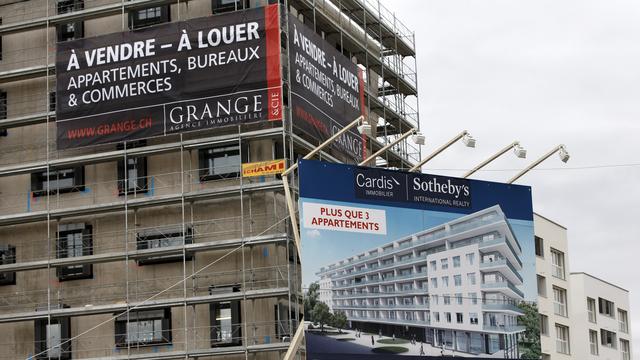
[[585, 286], [554, 236]]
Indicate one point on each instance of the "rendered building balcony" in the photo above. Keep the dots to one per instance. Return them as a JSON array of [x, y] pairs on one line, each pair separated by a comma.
[[397, 321], [505, 267], [502, 307], [498, 244], [504, 328], [505, 288]]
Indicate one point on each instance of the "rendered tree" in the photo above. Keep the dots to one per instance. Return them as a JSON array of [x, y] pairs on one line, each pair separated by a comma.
[[529, 342], [321, 315], [311, 299], [339, 320]]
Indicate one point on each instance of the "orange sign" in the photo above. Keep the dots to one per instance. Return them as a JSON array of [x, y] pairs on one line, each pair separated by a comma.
[[263, 168]]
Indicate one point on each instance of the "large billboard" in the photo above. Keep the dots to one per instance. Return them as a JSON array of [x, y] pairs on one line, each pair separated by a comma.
[[327, 90], [400, 264], [197, 74]]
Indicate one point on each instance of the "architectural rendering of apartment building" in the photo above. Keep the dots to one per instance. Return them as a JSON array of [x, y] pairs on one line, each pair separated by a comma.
[[600, 317], [159, 248], [455, 285]]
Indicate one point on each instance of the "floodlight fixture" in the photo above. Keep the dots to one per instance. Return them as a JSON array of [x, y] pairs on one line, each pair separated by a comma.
[[520, 151], [564, 154], [413, 132], [560, 149], [419, 139], [466, 138], [517, 149], [469, 140]]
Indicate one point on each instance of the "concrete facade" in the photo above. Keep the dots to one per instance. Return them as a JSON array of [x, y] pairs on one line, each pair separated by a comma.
[[600, 314], [551, 238]]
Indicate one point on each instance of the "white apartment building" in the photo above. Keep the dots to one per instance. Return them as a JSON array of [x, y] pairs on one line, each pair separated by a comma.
[[553, 288], [600, 318], [454, 285], [325, 293]]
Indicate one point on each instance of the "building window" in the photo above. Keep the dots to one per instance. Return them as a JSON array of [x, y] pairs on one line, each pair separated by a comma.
[[444, 264], [60, 181], [74, 30], [539, 246], [459, 318], [70, 31], [7, 256], [593, 342], [623, 321], [557, 262], [447, 299], [436, 316], [471, 278], [434, 283], [225, 319], [474, 298], [605, 307], [50, 338], [52, 101], [163, 237], [559, 301], [222, 6], [149, 16], [222, 162], [447, 317], [136, 181], [562, 339], [457, 280], [473, 318], [542, 285], [3, 102], [625, 349], [608, 338], [544, 325], [150, 327], [74, 240], [470, 258], [459, 299], [445, 281], [434, 265], [456, 261], [591, 310]]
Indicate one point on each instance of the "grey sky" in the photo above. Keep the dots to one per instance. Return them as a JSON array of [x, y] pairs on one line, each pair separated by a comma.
[[543, 72]]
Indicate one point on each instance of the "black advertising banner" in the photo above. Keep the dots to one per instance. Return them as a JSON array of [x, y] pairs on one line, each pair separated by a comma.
[[327, 90], [192, 75]]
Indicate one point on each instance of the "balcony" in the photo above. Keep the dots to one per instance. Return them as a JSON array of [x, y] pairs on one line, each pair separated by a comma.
[[505, 288], [505, 267], [474, 223], [418, 322], [496, 244], [502, 307], [504, 328]]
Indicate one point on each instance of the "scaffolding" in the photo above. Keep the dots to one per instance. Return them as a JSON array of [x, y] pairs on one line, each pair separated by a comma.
[[234, 243]]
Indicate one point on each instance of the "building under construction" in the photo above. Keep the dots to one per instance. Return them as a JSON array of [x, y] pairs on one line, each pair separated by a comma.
[[159, 248]]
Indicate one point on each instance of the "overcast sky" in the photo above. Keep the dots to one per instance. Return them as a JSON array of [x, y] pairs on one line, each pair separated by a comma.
[[543, 72]]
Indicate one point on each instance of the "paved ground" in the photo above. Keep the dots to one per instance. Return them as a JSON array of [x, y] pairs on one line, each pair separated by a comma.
[[362, 346]]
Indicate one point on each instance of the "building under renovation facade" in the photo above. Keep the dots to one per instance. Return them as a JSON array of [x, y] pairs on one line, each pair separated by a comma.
[[167, 227]]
